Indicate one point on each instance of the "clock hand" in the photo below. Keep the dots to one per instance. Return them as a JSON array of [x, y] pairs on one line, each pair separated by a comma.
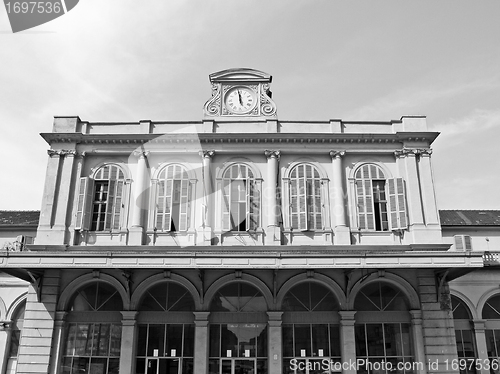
[[239, 97]]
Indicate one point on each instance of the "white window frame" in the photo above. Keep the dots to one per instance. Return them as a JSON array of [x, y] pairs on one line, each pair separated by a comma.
[[304, 193], [171, 177], [394, 204], [226, 200], [115, 202]]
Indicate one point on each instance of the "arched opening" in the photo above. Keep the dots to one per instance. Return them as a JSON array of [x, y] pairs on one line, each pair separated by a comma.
[[15, 337], [165, 330], [466, 346], [382, 327], [238, 330], [93, 333], [491, 313], [311, 334]]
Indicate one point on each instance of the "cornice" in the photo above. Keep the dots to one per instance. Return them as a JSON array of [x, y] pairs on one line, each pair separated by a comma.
[[273, 138]]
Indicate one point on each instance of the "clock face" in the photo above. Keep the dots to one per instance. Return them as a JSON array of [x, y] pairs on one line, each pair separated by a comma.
[[240, 100]]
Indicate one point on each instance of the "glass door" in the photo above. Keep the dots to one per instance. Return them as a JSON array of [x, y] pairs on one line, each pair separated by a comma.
[[238, 366], [162, 366]]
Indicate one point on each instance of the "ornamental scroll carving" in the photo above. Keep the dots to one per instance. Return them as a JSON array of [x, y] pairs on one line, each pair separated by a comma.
[[418, 152], [267, 106], [272, 154], [212, 106], [61, 152]]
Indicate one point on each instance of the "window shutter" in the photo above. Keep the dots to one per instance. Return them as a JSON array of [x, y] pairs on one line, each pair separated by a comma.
[[110, 205], [84, 203], [463, 243], [302, 199], [396, 193], [226, 225], [364, 191], [117, 219], [184, 205], [167, 212], [252, 219]]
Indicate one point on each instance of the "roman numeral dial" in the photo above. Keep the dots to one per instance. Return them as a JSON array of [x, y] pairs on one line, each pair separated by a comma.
[[240, 100]]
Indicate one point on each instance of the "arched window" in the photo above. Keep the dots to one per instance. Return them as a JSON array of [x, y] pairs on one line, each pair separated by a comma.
[[238, 297], [381, 202], [167, 297], [93, 346], [238, 334], [100, 200], [310, 332], [382, 326], [305, 198], [466, 347], [240, 199], [491, 313], [15, 336], [173, 201], [165, 339]]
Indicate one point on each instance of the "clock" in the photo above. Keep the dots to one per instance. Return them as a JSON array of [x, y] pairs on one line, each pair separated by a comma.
[[240, 100]]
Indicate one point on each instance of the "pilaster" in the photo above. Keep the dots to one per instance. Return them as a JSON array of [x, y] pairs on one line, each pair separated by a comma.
[[58, 340], [207, 206], [437, 325], [128, 343], [54, 216], [274, 343], [407, 164], [347, 340], [38, 329], [137, 222], [431, 215], [273, 231], [342, 232], [5, 334], [416, 327], [201, 342], [480, 338]]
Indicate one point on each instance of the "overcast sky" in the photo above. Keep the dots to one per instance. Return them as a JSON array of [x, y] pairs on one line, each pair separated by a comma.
[[123, 60]]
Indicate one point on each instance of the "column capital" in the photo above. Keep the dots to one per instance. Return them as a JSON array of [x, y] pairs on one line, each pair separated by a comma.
[[5, 325], [424, 152], [201, 319], [61, 152], [478, 324], [141, 154], [399, 153], [347, 317], [416, 317], [207, 154], [336, 154], [61, 316], [272, 154]]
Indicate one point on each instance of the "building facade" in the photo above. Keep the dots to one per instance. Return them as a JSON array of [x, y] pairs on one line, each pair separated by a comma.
[[239, 244]]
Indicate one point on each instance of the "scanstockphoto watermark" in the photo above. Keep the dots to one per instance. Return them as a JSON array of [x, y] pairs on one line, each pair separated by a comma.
[[328, 364], [24, 15]]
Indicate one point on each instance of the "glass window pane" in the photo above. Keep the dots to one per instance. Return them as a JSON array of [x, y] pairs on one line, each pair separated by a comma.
[[374, 339], [142, 335], [334, 341], [140, 366], [188, 340], [156, 340], [320, 341], [174, 341], [359, 332], [215, 340], [302, 340], [287, 331]]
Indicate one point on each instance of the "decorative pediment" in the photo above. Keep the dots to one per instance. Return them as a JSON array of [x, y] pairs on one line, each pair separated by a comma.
[[240, 75]]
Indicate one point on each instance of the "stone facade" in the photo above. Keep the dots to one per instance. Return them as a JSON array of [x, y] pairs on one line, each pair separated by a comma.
[[239, 243]]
